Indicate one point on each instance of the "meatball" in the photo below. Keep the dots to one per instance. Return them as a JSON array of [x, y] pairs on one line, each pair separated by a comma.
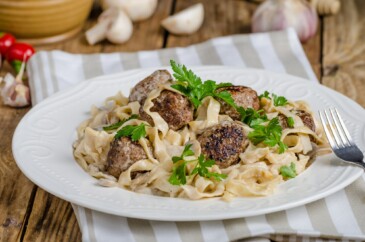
[[243, 96], [173, 107], [223, 143], [140, 91], [306, 118], [122, 154]]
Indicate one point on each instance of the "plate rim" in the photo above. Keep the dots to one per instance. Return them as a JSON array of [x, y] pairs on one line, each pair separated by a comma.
[[70, 198]]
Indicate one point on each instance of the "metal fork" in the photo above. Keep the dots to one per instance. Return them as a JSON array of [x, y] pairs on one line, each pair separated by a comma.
[[339, 138]]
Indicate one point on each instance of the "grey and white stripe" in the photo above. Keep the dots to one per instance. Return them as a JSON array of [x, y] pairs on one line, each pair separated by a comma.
[[337, 217]]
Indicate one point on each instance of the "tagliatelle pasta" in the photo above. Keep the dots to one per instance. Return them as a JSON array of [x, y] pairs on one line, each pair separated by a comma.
[[256, 174]]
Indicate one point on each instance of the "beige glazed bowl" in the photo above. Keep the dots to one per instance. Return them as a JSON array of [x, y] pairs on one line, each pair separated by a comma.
[[43, 20]]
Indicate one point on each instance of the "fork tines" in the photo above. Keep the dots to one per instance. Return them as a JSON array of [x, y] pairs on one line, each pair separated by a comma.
[[335, 129]]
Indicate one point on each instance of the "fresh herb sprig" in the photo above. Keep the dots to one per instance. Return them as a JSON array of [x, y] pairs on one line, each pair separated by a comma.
[[278, 100], [120, 123], [179, 171], [269, 134], [288, 171], [194, 88], [134, 131], [251, 117]]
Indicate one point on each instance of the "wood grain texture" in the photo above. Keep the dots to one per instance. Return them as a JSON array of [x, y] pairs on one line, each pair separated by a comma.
[[344, 50], [221, 18], [313, 49], [51, 219], [15, 188]]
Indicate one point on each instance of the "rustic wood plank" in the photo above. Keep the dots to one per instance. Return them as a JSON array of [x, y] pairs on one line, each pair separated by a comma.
[[344, 50], [51, 219], [313, 50]]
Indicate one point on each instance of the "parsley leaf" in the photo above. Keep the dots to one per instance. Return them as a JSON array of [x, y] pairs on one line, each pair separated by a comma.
[[252, 117], [288, 171], [202, 170], [279, 100], [178, 176], [269, 135], [265, 95], [120, 123], [194, 88], [290, 121], [135, 132], [179, 172]]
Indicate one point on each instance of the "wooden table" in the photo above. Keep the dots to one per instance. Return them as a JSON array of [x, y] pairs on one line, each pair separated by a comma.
[[336, 53]]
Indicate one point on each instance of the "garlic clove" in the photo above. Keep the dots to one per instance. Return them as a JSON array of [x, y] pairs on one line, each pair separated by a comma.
[[14, 93], [98, 32], [114, 25], [187, 21], [281, 14], [136, 10], [121, 29]]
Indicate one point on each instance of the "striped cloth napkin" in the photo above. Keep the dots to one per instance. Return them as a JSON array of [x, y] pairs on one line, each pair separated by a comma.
[[340, 216]]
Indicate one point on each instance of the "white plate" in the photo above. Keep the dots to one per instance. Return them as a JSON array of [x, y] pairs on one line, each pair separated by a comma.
[[42, 147]]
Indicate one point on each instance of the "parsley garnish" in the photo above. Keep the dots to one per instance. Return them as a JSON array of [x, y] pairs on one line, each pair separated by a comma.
[[288, 171], [252, 117], [278, 100], [265, 94], [290, 121], [135, 132], [179, 172], [269, 135], [192, 86], [120, 123]]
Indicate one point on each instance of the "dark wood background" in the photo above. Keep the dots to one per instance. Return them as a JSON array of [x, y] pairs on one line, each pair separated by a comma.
[[336, 53]]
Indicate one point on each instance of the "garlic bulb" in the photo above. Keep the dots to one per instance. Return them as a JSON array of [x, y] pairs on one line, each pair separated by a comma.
[[187, 21], [281, 14], [13, 92], [136, 10]]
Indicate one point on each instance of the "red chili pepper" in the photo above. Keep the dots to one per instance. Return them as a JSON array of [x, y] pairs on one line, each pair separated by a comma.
[[6, 40], [18, 53]]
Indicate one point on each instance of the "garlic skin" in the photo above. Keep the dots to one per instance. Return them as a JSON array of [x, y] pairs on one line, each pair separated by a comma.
[[136, 10], [121, 29], [281, 14], [185, 22], [113, 25], [14, 93]]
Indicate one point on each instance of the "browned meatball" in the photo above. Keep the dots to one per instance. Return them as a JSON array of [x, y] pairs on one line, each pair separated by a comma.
[[243, 96], [173, 107], [306, 118], [122, 154], [140, 91], [223, 143]]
